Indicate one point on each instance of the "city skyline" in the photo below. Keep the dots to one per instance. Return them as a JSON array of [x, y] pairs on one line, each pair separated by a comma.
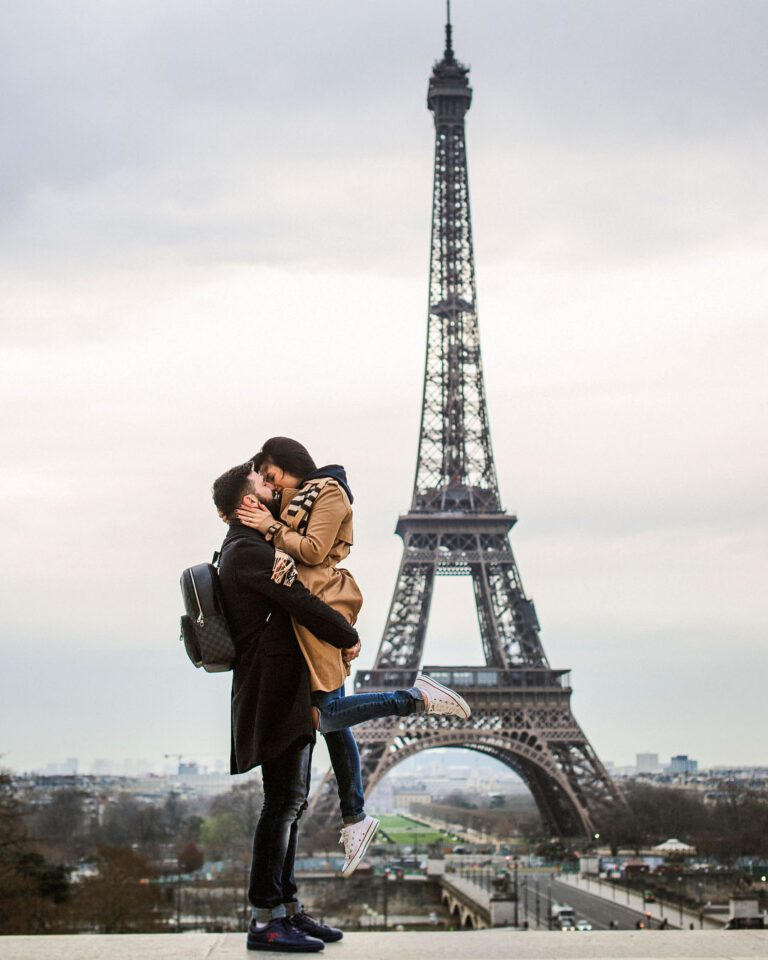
[[441, 757], [186, 203]]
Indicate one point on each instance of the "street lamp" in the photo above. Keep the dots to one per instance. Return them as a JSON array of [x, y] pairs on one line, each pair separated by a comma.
[[517, 914], [700, 886], [549, 906], [385, 891], [525, 898]]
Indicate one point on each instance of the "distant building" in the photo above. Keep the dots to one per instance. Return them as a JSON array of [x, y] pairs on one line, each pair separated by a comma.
[[136, 768], [69, 767], [187, 786], [647, 762], [682, 765], [404, 800]]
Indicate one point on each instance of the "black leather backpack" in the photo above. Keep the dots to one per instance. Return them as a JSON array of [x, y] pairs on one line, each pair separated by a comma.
[[205, 632]]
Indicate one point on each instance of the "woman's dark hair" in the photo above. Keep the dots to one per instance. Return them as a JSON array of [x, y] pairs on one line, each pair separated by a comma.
[[287, 454]]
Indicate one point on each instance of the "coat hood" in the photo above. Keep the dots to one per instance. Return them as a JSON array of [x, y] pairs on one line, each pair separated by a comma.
[[336, 472]]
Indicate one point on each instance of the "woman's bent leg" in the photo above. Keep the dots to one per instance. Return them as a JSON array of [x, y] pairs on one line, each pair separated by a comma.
[[341, 712], [345, 760]]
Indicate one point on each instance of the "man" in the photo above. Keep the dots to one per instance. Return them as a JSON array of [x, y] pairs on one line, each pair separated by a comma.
[[271, 712]]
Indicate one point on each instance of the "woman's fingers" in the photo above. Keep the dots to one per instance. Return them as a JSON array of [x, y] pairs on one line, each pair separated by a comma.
[[253, 508], [249, 518]]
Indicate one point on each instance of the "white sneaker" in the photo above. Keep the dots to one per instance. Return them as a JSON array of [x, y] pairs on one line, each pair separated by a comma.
[[356, 837], [440, 699]]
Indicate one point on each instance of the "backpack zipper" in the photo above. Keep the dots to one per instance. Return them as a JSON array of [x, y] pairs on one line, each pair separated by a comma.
[[201, 619]]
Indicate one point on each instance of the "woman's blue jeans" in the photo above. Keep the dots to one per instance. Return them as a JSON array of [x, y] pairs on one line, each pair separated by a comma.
[[337, 714]]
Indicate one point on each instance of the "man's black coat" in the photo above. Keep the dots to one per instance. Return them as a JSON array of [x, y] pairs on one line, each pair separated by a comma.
[[271, 709]]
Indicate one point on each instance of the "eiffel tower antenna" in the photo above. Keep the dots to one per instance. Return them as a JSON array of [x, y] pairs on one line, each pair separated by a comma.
[[448, 32], [456, 526]]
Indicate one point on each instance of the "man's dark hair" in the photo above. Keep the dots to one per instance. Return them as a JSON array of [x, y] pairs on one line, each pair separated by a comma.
[[230, 488], [289, 455]]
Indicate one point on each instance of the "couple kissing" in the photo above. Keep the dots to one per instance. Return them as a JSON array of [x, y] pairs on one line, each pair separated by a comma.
[[291, 609]]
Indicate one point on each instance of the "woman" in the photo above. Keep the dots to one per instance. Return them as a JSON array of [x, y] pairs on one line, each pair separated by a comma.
[[315, 529]]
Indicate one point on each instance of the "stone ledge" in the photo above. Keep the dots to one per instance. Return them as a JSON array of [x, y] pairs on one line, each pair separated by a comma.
[[464, 945]]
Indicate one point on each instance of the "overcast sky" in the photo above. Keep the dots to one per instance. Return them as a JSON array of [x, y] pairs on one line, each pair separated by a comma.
[[214, 228]]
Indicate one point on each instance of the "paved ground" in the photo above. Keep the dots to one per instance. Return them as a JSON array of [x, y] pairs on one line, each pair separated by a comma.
[[475, 945]]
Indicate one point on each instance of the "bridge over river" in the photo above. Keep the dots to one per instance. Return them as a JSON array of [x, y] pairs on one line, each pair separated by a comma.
[[473, 902]]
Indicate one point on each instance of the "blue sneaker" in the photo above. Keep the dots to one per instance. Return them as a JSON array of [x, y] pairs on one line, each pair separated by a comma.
[[281, 934], [313, 928]]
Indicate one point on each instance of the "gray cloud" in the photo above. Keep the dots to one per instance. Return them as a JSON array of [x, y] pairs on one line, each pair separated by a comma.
[[254, 131]]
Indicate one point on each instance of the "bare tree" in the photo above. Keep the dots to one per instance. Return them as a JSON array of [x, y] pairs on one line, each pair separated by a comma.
[[121, 898]]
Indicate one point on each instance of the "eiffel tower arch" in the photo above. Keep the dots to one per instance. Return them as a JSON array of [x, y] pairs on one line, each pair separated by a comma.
[[456, 526]]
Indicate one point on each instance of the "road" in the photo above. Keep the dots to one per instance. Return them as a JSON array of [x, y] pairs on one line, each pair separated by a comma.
[[600, 913]]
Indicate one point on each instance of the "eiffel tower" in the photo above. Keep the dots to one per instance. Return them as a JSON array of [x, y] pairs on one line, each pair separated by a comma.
[[456, 526]]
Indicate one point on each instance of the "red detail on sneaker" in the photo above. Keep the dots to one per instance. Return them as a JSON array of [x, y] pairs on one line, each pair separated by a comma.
[[272, 936]]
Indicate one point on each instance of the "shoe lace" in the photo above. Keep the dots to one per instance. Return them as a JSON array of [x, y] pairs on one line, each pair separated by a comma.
[[345, 838], [438, 701]]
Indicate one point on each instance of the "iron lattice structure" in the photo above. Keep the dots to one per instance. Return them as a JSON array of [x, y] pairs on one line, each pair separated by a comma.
[[456, 526]]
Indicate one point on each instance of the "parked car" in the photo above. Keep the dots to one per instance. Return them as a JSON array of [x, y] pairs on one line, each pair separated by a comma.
[[583, 925]]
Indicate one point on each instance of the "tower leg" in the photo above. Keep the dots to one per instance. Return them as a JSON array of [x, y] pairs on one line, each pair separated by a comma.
[[403, 638], [506, 615]]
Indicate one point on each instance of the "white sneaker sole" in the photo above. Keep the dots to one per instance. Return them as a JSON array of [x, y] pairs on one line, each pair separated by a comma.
[[349, 868], [434, 685]]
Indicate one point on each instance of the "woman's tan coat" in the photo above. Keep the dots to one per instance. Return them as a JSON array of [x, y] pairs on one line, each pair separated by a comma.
[[324, 544]]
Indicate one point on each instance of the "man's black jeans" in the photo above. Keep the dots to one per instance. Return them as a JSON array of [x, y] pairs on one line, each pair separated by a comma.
[[286, 788]]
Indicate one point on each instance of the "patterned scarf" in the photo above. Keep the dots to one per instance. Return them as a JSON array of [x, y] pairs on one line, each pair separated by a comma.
[[301, 506]]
